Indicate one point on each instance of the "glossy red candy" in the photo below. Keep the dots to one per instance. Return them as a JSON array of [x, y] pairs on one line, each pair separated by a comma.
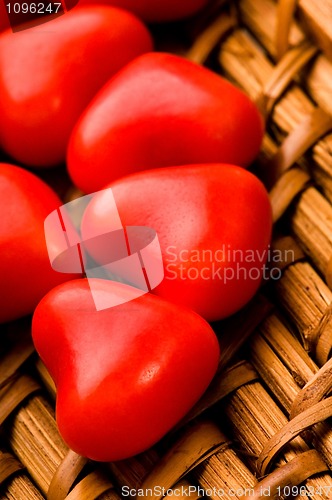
[[214, 227], [48, 75], [124, 375], [162, 110], [25, 270]]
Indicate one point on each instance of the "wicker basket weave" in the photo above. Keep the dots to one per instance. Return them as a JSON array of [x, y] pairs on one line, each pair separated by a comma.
[[262, 429]]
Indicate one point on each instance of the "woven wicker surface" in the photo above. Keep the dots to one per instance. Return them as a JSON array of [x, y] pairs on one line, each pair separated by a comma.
[[262, 429]]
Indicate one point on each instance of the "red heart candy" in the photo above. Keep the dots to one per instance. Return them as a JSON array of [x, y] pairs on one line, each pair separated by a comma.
[[214, 226], [50, 73], [25, 271], [125, 375], [162, 110]]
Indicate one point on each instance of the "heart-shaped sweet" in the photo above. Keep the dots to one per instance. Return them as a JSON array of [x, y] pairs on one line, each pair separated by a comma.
[[213, 224], [25, 271], [162, 110], [124, 375], [50, 73]]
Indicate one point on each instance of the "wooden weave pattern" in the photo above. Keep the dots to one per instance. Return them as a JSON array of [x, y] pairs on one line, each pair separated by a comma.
[[263, 425]]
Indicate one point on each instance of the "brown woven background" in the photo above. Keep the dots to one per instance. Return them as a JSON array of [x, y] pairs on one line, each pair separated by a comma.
[[263, 425]]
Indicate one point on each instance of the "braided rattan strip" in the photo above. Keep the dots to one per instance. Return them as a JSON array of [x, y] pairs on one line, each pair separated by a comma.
[[317, 413], [224, 473], [317, 17], [15, 393], [306, 298], [289, 249], [286, 10], [298, 142], [207, 40], [324, 343], [311, 223], [290, 475], [18, 486], [65, 476], [283, 74], [314, 391], [290, 184], [255, 418], [8, 466], [195, 446], [131, 472], [92, 487], [285, 368]]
